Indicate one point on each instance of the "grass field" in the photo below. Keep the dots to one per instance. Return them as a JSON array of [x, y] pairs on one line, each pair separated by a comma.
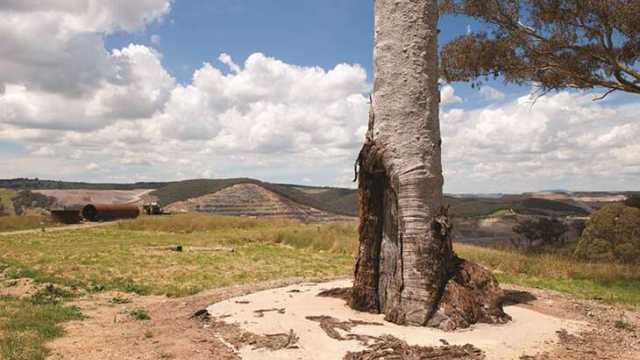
[[612, 283], [5, 201], [27, 222], [136, 256], [26, 325]]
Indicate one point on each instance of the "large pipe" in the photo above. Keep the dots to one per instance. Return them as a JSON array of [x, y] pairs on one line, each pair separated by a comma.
[[107, 212]]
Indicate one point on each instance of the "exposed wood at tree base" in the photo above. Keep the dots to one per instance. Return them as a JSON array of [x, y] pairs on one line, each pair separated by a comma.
[[468, 293], [389, 347]]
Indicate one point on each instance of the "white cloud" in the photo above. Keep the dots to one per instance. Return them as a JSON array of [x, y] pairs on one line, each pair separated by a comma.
[[92, 166], [491, 93], [79, 111], [143, 88], [57, 46], [563, 140], [263, 117], [227, 60], [448, 96]]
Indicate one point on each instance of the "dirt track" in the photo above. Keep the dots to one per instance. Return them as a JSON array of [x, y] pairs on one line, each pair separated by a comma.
[[58, 228]]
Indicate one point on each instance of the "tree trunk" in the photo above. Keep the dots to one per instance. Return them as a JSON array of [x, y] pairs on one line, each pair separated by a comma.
[[406, 267]]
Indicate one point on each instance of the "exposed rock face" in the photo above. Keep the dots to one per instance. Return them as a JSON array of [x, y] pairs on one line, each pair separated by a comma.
[[253, 200]]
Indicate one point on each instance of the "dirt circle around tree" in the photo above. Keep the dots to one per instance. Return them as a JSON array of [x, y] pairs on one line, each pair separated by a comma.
[[312, 326]]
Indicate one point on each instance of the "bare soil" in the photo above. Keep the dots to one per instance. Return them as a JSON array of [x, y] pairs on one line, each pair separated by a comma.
[[181, 329], [85, 196]]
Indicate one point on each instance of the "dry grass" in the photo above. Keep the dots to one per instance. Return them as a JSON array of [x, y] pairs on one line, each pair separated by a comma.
[[339, 238], [27, 222], [134, 256], [610, 282], [5, 200]]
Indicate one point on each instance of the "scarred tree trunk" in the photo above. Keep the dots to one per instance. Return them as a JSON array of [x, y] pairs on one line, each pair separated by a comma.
[[406, 267]]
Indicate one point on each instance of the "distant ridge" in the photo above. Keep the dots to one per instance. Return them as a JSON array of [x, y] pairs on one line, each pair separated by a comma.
[[337, 201], [342, 201]]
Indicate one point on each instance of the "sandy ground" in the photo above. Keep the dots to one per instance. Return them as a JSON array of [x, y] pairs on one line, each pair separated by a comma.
[[83, 196], [529, 332], [109, 332]]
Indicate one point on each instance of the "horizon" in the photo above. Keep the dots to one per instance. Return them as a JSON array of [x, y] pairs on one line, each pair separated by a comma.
[[567, 191], [173, 90]]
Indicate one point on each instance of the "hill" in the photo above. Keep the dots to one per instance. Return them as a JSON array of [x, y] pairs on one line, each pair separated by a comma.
[[248, 199], [337, 201], [37, 184], [333, 200]]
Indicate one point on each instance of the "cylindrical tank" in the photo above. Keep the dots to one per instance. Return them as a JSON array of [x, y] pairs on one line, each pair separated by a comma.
[[107, 212]]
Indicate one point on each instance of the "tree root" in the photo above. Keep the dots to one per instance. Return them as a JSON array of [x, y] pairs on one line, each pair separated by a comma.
[[331, 325], [472, 295], [237, 337], [261, 312], [389, 347], [338, 293]]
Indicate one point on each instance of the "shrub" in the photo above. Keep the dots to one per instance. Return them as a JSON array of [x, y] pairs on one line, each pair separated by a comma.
[[633, 201], [28, 200], [140, 314], [612, 234], [541, 231]]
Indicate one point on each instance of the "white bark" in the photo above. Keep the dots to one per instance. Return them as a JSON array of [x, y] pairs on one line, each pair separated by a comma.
[[406, 126], [406, 267]]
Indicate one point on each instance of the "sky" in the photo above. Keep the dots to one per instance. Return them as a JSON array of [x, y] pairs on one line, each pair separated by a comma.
[[159, 90]]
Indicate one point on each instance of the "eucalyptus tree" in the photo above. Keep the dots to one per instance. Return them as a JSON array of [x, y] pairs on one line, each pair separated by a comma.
[[406, 267], [553, 44]]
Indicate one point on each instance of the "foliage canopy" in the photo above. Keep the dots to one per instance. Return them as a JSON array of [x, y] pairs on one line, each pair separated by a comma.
[[555, 44], [612, 234], [541, 231]]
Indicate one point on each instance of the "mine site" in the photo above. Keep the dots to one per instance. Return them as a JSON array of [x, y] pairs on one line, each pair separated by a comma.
[[356, 180]]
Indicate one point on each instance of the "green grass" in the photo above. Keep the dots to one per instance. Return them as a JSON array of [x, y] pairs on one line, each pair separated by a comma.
[[140, 314], [119, 300], [25, 326], [219, 252], [131, 256]]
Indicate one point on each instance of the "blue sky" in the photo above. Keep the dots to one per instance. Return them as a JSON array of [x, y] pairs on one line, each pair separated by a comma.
[[157, 90], [307, 33]]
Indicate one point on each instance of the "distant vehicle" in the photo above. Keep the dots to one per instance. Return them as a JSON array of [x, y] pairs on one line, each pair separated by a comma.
[[153, 209]]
